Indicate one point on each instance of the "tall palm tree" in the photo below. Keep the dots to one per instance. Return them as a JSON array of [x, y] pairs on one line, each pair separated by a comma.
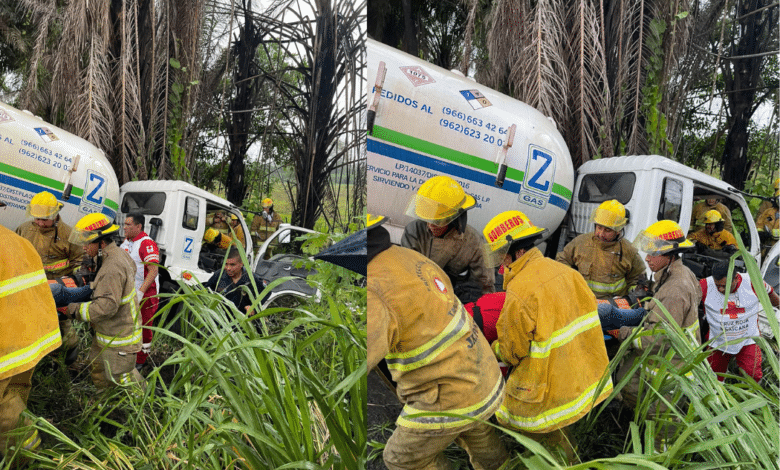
[[103, 70], [600, 69]]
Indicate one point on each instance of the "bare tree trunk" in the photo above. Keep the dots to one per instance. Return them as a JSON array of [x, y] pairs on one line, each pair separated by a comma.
[[239, 121], [742, 73]]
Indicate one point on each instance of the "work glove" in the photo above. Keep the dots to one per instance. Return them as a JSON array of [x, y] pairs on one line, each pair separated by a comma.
[[146, 348], [268, 217], [624, 332], [139, 295]]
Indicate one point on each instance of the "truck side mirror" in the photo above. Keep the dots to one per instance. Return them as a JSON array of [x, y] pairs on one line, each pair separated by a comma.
[[156, 223]]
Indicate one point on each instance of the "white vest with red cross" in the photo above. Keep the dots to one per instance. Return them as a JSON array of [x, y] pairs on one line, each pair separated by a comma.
[[739, 320]]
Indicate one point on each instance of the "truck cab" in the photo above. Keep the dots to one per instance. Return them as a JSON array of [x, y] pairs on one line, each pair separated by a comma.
[[655, 188], [177, 215]]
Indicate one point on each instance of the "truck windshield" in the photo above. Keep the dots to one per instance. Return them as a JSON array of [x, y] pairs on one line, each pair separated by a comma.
[[145, 203], [600, 187]]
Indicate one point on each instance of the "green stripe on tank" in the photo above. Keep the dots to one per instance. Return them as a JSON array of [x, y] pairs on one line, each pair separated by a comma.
[[454, 156], [49, 183]]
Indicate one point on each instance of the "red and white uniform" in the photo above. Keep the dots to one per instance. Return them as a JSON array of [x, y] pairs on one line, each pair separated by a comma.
[[740, 317], [144, 250]]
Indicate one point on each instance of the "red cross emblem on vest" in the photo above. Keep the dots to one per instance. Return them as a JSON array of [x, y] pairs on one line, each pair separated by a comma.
[[732, 310]]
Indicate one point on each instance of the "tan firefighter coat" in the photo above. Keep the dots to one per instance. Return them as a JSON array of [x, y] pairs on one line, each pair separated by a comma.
[[610, 268], [454, 252], [435, 352], [113, 310], [60, 257]]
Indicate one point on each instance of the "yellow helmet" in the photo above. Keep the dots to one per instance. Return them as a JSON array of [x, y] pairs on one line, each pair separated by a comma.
[[610, 214], [44, 206], [711, 217], [218, 238], [440, 200], [373, 221], [505, 229], [777, 187], [267, 202], [663, 237], [91, 228], [233, 216]]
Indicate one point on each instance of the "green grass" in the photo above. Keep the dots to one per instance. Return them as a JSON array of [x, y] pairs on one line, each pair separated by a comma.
[[283, 205], [229, 396]]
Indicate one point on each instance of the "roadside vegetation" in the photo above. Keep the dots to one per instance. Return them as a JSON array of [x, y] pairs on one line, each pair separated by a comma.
[[276, 389], [711, 424]]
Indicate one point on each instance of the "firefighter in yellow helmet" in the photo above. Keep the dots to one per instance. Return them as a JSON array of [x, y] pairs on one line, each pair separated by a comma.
[[28, 328], [677, 289], [113, 311], [235, 226], [711, 203], [609, 263], [713, 235], [217, 239], [438, 357], [265, 223], [547, 328], [49, 235], [441, 233]]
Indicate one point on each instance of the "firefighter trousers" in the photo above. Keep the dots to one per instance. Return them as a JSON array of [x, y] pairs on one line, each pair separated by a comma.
[[407, 450], [14, 392], [110, 367]]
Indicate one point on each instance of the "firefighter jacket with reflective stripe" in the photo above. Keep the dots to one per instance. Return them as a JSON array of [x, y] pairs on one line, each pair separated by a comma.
[[550, 332], [677, 289], [701, 207], [113, 310], [738, 320], [454, 252], [28, 317], [435, 352], [60, 257], [610, 268], [716, 241], [264, 228]]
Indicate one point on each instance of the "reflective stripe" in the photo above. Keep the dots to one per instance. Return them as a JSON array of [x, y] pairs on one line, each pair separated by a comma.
[[57, 265], [114, 341], [565, 335], [479, 410], [31, 352], [606, 288], [84, 311], [126, 299], [497, 350], [425, 354], [32, 442], [20, 283], [552, 417]]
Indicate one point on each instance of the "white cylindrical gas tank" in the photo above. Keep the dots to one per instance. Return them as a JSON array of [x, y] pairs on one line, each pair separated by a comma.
[[36, 156], [429, 121]]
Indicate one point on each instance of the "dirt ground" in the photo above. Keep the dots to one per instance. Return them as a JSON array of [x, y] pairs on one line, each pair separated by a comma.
[[383, 409]]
